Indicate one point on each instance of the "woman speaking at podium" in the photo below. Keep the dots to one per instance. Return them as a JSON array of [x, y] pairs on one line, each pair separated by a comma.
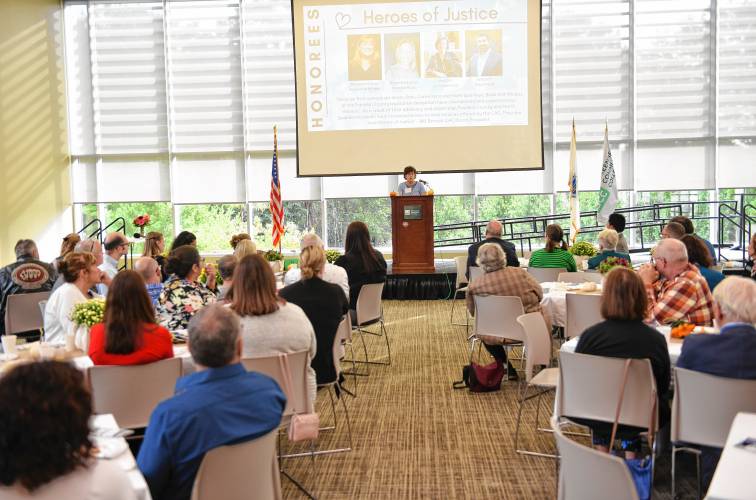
[[410, 186]]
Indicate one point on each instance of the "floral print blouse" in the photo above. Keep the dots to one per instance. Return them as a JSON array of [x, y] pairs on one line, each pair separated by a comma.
[[179, 300]]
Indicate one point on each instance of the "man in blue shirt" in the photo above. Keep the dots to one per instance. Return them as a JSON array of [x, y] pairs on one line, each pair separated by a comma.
[[220, 404], [149, 269], [730, 354]]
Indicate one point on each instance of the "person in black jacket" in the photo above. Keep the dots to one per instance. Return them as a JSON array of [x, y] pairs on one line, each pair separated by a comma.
[[324, 304], [493, 235], [623, 334], [363, 263]]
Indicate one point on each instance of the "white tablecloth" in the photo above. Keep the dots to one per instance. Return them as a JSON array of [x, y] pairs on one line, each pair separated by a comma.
[[554, 301], [106, 422], [734, 478], [673, 345]]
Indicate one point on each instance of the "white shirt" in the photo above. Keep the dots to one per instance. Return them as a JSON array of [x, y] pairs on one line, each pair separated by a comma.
[[482, 60], [102, 480], [58, 312], [110, 267], [332, 274]]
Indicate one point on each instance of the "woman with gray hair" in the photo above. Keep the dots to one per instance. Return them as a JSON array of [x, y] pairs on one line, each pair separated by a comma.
[[505, 281], [608, 239]]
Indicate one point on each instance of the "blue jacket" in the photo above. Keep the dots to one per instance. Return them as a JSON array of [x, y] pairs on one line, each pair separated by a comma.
[[211, 408], [730, 354], [712, 276]]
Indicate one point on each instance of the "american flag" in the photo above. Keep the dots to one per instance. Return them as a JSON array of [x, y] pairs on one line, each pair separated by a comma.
[[276, 207]]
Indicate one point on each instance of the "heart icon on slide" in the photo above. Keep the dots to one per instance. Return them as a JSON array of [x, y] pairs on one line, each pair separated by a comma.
[[343, 20]]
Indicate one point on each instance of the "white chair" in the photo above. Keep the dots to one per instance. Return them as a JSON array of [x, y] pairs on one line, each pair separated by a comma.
[[460, 287], [240, 471], [580, 277], [370, 312], [703, 409], [344, 338], [583, 311], [496, 318], [298, 399], [22, 312], [588, 474], [538, 353], [131, 393], [546, 274]]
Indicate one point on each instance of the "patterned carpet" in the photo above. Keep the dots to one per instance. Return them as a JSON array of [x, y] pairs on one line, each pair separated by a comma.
[[416, 437]]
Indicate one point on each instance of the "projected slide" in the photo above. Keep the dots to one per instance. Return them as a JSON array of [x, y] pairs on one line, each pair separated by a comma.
[[443, 85], [411, 65]]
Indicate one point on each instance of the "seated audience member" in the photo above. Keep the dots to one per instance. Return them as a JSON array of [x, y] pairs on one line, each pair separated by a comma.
[[607, 240], [325, 304], [149, 270], [493, 235], [673, 230], [184, 238], [93, 247], [699, 256], [27, 275], [129, 334], [80, 273], [222, 403], [116, 246], [752, 256], [45, 450], [363, 263], [689, 229], [331, 273], [67, 246], [235, 239], [617, 222], [675, 288], [183, 295], [244, 248], [623, 334], [500, 279], [730, 354], [270, 325], [226, 268], [555, 255], [154, 246]]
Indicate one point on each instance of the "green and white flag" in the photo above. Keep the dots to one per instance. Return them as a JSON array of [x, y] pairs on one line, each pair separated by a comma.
[[608, 192]]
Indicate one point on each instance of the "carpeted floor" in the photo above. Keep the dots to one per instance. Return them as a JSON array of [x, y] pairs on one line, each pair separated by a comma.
[[416, 437]]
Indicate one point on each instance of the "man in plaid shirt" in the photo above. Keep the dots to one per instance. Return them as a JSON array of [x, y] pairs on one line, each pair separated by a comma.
[[675, 288]]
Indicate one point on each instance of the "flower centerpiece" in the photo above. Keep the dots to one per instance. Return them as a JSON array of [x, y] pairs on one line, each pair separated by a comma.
[[275, 259], [202, 278], [582, 251], [141, 221], [611, 262], [88, 313], [332, 255]]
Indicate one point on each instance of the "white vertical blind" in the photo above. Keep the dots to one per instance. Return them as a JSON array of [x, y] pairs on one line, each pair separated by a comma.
[[78, 83], [673, 68], [737, 68], [204, 76], [128, 77], [592, 68]]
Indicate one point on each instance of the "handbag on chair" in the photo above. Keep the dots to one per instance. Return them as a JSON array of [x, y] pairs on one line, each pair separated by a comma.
[[303, 426]]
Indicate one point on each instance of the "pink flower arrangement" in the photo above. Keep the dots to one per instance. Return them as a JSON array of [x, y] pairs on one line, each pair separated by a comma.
[[141, 220]]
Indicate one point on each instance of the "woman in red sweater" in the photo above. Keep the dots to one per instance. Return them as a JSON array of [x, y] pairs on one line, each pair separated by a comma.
[[129, 334]]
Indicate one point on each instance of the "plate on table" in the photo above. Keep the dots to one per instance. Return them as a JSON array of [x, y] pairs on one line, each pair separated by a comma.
[[8, 357], [708, 330]]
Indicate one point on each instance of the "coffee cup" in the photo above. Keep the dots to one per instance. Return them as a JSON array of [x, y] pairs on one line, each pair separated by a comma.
[[9, 344]]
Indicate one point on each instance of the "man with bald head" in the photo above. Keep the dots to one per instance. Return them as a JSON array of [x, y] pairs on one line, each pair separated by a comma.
[[332, 273], [493, 235], [675, 288], [149, 270]]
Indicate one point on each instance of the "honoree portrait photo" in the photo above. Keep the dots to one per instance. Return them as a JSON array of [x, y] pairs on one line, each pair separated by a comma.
[[483, 53], [402, 56], [442, 55], [364, 57], [411, 186]]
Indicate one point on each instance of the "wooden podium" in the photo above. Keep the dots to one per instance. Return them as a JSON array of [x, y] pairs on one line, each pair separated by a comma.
[[412, 234]]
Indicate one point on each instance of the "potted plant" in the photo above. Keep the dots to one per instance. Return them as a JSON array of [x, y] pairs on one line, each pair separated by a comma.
[[84, 316], [332, 255], [582, 251], [275, 259], [141, 221]]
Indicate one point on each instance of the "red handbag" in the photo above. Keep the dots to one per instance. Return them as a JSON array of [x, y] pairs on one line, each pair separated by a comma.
[[480, 378]]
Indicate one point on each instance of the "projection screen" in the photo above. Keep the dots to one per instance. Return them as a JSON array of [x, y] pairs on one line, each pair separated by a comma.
[[445, 86]]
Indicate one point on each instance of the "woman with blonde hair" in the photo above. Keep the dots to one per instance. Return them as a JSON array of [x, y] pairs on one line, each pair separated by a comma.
[[244, 248], [365, 63], [154, 246], [270, 325], [235, 239], [325, 304]]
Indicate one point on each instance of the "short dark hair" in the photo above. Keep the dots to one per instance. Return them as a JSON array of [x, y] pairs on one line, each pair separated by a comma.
[[44, 424], [698, 252], [25, 248], [183, 238], [624, 295], [213, 333], [617, 221], [676, 229], [686, 223], [409, 169], [116, 242]]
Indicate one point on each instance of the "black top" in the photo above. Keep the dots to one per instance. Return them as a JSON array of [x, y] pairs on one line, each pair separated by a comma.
[[163, 263], [636, 340], [26, 275], [359, 276], [507, 246], [324, 304]]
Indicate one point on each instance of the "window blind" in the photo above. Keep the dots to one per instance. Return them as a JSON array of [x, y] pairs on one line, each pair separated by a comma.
[[737, 68]]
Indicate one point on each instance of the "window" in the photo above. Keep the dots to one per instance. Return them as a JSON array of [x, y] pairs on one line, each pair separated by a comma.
[[300, 218], [212, 224], [375, 212]]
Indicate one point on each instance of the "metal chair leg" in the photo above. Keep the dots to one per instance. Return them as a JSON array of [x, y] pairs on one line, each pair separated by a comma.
[[674, 456]]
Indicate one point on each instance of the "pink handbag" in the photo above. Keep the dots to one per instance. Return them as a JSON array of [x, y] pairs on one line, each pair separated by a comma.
[[303, 426]]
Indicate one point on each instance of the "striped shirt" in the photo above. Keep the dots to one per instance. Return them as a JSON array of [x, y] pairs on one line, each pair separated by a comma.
[[556, 258]]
